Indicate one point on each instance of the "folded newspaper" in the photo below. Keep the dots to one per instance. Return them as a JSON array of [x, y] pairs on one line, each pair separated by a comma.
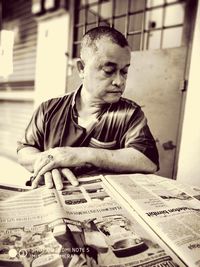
[[112, 220]]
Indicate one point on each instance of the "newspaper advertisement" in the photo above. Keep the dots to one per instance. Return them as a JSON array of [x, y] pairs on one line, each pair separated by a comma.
[[168, 208], [78, 226]]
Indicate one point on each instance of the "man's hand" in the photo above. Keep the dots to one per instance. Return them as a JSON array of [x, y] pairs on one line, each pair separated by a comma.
[[55, 178], [59, 157], [52, 164]]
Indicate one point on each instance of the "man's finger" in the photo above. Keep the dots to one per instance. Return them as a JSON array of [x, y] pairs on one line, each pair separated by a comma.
[[48, 179], [41, 163], [46, 168], [36, 181], [70, 176], [57, 178]]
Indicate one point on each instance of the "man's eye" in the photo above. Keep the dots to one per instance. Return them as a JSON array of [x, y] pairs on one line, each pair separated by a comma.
[[124, 72], [108, 71]]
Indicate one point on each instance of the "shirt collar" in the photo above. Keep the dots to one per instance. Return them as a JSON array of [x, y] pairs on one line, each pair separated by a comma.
[[73, 103], [75, 95]]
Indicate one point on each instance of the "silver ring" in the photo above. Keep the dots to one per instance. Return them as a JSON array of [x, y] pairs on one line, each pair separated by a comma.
[[32, 178], [50, 157]]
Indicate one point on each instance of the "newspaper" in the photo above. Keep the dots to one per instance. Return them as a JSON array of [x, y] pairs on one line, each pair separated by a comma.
[[78, 226], [171, 209]]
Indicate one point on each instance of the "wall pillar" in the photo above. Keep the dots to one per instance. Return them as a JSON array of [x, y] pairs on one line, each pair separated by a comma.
[[189, 155], [51, 61]]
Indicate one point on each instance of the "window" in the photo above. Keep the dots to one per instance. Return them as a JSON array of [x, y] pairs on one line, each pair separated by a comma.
[[147, 24], [6, 52]]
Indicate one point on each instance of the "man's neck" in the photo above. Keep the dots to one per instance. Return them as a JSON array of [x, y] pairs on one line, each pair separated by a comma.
[[86, 106], [87, 110]]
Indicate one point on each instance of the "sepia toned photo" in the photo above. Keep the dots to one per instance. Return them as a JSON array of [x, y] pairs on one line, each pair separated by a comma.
[[99, 133]]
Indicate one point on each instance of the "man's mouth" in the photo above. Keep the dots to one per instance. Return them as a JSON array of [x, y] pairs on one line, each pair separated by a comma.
[[115, 92]]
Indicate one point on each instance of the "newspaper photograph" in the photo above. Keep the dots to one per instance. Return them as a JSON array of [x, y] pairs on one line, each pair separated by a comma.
[[171, 212]]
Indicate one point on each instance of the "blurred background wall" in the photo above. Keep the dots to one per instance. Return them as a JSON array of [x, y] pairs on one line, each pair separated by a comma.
[[39, 44]]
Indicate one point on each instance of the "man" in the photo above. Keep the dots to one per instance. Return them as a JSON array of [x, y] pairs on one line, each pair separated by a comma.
[[94, 127]]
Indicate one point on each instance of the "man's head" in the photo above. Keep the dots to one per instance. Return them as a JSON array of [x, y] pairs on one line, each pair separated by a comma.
[[105, 58], [92, 37]]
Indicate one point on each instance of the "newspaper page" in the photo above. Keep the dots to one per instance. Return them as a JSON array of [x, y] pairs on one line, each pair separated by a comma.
[[78, 226], [118, 238], [171, 210], [191, 190], [26, 238]]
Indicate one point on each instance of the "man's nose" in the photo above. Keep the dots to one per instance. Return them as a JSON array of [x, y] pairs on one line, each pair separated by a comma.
[[118, 80]]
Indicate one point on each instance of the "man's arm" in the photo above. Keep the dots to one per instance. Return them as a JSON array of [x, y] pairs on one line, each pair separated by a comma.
[[27, 157], [30, 157], [120, 160]]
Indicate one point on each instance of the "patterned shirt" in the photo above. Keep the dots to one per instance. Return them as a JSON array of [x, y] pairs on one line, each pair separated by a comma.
[[118, 125]]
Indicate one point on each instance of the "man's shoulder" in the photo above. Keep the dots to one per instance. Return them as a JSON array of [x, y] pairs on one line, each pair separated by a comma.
[[127, 104], [125, 108], [59, 100]]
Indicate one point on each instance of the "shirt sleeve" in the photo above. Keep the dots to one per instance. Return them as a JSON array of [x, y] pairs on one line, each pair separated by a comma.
[[34, 133], [140, 137]]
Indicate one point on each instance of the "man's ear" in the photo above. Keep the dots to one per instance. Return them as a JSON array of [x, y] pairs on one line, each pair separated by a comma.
[[80, 67]]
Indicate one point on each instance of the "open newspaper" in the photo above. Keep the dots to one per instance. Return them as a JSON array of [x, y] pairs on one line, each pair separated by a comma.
[[92, 224], [171, 209]]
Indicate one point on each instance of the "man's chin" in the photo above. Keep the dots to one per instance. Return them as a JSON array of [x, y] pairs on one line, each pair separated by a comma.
[[113, 99]]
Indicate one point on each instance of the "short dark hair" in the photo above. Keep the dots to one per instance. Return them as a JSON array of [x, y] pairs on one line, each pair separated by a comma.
[[93, 35]]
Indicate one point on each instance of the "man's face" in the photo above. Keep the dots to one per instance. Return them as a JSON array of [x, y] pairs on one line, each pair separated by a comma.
[[105, 72]]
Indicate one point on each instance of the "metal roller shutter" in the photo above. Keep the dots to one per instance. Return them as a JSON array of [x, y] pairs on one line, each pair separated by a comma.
[[14, 116], [15, 112]]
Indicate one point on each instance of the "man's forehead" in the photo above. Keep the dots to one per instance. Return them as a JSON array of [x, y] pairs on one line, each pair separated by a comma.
[[113, 64], [113, 58]]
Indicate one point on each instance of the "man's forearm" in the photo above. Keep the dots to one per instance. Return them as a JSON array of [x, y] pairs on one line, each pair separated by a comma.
[[121, 160], [27, 156]]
